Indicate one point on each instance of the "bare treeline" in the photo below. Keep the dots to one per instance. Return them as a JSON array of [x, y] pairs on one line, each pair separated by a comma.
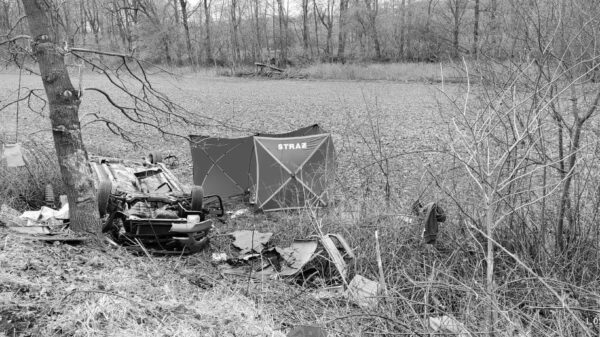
[[229, 32]]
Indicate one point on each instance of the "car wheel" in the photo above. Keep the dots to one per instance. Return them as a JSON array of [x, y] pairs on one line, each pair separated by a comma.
[[103, 193], [197, 198]]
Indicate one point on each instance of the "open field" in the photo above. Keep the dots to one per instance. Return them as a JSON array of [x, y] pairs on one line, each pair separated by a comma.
[[238, 107], [94, 291]]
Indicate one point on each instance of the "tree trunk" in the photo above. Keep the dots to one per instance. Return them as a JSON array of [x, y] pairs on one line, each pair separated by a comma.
[[282, 47], [176, 11], [493, 26], [305, 27], [402, 29], [63, 101], [342, 30], [329, 48], [490, 284], [476, 30], [456, 35], [373, 10], [207, 50], [407, 32], [257, 28], [5, 16], [186, 28], [565, 198], [316, 28], [235, 46]]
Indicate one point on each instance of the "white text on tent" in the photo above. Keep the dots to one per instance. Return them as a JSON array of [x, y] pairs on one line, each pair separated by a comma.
[[297, 146]]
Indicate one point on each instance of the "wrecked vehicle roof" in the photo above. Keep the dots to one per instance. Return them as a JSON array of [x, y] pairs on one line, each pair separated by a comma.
[[143, 203]]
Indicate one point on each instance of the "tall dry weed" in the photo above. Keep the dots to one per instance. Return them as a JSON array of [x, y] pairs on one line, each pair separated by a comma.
[[24, 187]]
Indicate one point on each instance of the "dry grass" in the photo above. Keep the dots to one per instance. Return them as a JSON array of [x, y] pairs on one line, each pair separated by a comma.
[[91, 291], [62, 290], [403, 72], [23, 188]]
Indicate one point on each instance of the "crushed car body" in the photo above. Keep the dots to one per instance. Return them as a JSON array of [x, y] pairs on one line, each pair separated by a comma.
[[146, 208]]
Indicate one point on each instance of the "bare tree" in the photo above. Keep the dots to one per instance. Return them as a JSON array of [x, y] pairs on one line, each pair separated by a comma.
[[475, 50], [282, 34], [342, 29], [258, 42], [326, 19], [402, 23], [372, 12], [186, 28], [64, 102], [235, 23], [305, 27], [457, 10], [315, 16], [208, 58]]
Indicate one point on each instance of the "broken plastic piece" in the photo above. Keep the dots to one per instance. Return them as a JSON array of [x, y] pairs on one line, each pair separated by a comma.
[[296, 256], [449, 325], [307, 331], [188, 227], [219, 257], [248, 241], [363, 291]]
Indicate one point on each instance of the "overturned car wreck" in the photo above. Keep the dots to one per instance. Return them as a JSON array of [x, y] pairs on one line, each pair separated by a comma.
[[145, 207]]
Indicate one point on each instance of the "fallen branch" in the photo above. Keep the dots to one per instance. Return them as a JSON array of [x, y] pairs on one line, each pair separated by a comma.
[[107, 53], [264, 65]]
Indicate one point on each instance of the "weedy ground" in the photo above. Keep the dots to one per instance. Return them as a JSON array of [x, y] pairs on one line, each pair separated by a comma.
[[390, 138]]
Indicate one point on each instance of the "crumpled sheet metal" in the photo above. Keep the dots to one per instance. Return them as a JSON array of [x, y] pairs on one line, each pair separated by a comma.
[[294, 259], [246, 242], [296, 256], [335, 255]]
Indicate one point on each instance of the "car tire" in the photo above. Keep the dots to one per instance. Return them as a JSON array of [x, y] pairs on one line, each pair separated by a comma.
[[197, 198], [155, 158], [103, 193]]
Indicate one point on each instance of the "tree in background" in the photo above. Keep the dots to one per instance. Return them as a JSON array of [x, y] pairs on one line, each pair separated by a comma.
[[223, 32]]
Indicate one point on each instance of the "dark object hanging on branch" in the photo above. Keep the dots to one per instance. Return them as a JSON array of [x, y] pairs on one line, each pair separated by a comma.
[[431, 214]]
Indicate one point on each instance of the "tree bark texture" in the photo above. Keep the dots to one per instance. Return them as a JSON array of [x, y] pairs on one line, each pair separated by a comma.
[[401, 48], [476, 29], [63, 101], [342, 30], [235, 46], [282, 36], [315, 15], [208, 57], [186, 28], [373, 11], [305, 27], [257, 30]]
